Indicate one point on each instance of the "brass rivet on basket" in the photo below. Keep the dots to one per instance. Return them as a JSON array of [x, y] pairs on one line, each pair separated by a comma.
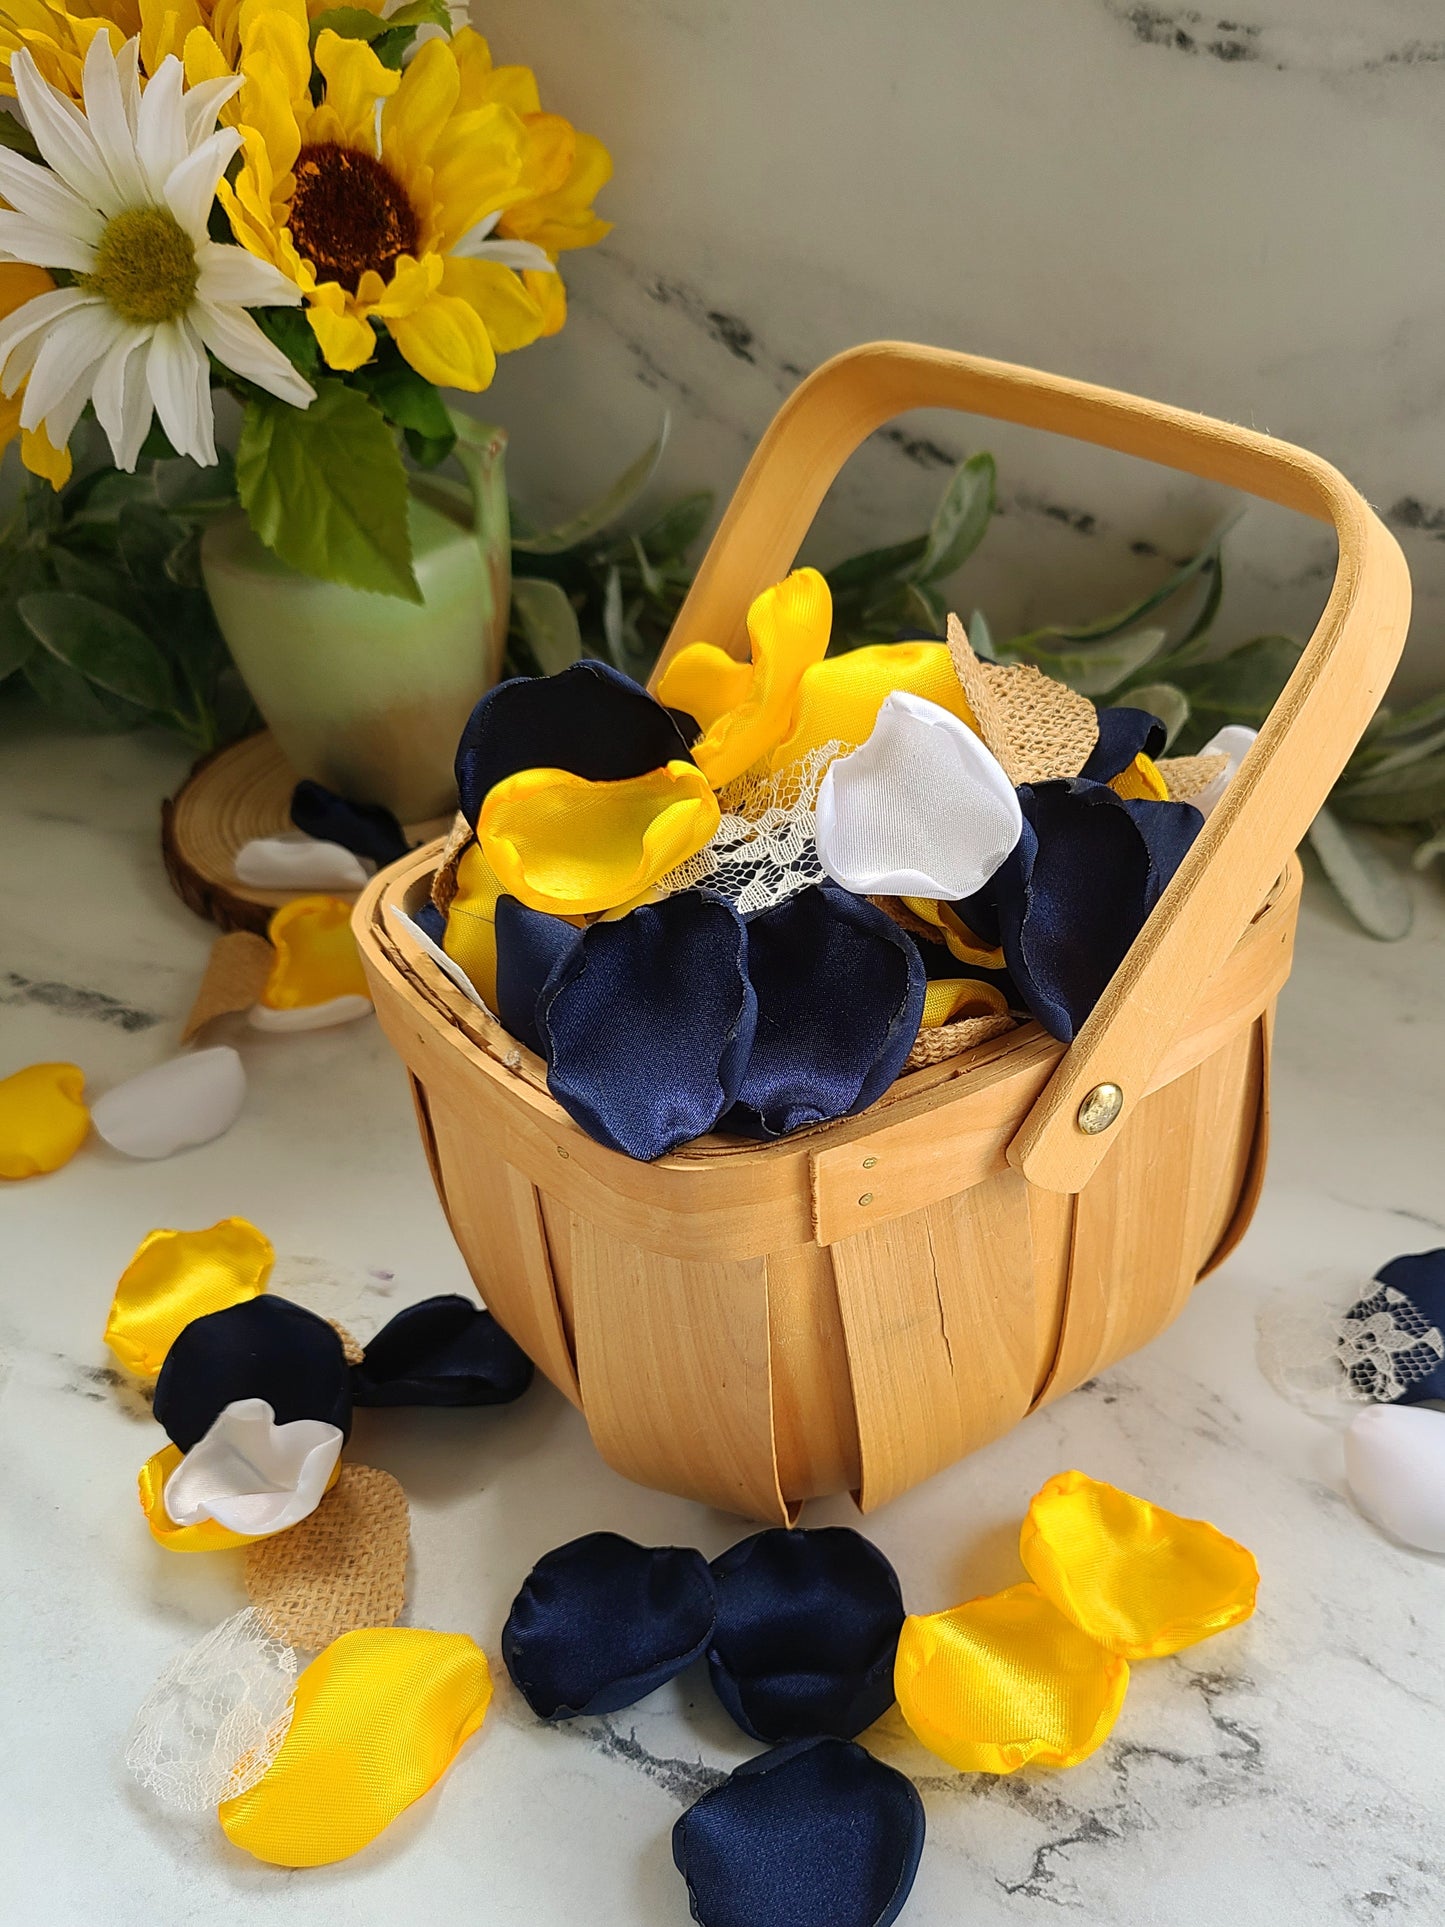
[[867, 1198], [1100, 1108], [868, 1163]]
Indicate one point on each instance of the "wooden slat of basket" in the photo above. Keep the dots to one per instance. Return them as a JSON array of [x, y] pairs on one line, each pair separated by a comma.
[[814, 1423]]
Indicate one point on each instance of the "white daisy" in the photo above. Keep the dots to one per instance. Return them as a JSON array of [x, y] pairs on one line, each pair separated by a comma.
[[122, 209]]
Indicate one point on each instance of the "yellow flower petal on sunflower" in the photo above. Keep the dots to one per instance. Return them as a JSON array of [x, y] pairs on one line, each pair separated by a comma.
[[19, 283], [176, 1276], [549, 153], [1140, 1581], [947, 999], [470, 938], [560, 843], [474, 68], [549, 291], [840, 698], [447, 342], [164, 27], [475, 169], [788, 629], [1006, 1682], [512, 316], [420, 108], [203, 59], [208, 1536], [316, 955], [355, 81], [377, 1719], [43, 1119], [43, 458], [566, 218], [412, 285], [345, 340], [961, 941], [1140, 782]]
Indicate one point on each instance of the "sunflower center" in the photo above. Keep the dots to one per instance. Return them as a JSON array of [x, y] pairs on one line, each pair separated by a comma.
[[145, 265], [349, 213]]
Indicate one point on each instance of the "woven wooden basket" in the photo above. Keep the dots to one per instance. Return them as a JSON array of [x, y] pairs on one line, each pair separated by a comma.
[[853, 1308]]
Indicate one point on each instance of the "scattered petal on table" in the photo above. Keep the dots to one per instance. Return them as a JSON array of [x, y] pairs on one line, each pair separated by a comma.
[[336, 1010], [261, 1348], [295, 861], [316, 961], [43, 1119], [1395, 1464], [250, 1474], [187, 1100], [178, 1276]]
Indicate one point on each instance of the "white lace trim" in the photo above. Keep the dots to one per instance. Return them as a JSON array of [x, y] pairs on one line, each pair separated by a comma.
[[1386, 1345], [763, 851]]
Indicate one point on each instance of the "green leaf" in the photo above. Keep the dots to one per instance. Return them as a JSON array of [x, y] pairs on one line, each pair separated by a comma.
[[961, 519], [1162, 699], [352, 23], [412, 402], [79, 702], [106, 494], [548, 622], [325, 489], [290, 331], [421, 13], [1411, 795], [1370, 890], [612, 624], [1241, 687], [1107, 626], [17, 640], [980, 637], [875, 565], [1101, 667], [1426, 852], [101, 645], [17, 138], [677, 528], [625, 490], [195, 494], [99, 581]]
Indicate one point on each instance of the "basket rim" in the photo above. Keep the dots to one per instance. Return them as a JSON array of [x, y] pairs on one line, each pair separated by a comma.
[[466, 1026]]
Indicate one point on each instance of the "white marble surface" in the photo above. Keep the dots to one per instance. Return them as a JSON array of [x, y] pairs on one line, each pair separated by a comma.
[[1290, 1771], [1240, 213]]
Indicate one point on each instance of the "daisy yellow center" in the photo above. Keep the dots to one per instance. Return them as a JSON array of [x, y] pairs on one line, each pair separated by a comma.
[[145, 266], [349, 213]]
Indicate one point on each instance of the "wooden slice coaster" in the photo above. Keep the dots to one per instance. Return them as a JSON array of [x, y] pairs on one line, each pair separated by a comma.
[[240, 792], [342, 1569]]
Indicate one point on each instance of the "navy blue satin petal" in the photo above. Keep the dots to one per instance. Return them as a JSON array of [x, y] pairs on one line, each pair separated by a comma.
[[807, 1631], [265, 1347], [443, 1351], [840, 998], [648, 1022], [980, 913], [815, 1834], [589, 719], [530, 946], [601, 1622], [1420, 1276], [1123, 735], [366, 829], [1075, 891], [432, 921]]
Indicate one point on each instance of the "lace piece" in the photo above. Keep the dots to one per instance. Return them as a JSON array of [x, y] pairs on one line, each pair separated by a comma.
[[1298, 1351], [763, 851], [215, 1719], [1386, 1345]]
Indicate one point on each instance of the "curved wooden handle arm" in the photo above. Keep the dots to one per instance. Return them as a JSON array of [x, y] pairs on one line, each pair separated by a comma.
[[1285, 778]]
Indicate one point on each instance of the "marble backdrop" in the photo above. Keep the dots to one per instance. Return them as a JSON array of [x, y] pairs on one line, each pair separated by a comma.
[[1241, 215]]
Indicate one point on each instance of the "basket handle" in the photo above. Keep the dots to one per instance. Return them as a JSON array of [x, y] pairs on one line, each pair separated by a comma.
[[1284, 779]]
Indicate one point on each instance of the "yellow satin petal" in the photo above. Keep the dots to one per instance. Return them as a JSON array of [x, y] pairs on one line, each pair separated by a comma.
[[378, 1718], [840, 698], [1140, 782], [205, 1537], [43, 1119], [560, 843], [176, 1276], [788, 629], [446, 341], [316, 955], [1140, 1581], [947, 999], [1006, 1682], [512, 318], [961, 941], [470, 938]]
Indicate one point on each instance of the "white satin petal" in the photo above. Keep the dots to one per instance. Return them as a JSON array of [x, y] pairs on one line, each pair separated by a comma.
[[438, 956], [1395, 1465], [1234, 741], [252, 1475], [187, 1100], [298, 862], [336, 1010], [922, 809]]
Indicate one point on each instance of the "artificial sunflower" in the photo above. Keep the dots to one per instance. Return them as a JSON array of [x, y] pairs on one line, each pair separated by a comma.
[[367, 214]]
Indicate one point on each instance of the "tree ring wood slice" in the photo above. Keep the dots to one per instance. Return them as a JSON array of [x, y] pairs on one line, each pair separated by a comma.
[[230, 797]]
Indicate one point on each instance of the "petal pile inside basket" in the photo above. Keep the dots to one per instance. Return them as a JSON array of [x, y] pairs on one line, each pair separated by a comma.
[[750, 902]]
